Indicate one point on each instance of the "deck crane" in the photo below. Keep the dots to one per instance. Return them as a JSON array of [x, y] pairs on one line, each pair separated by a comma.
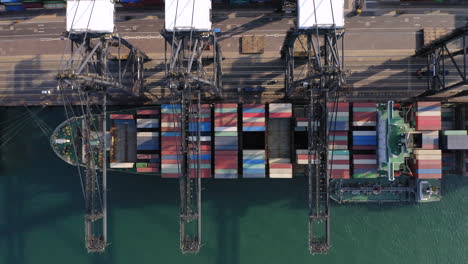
[[319, 31], [100, 63], [188, 33]]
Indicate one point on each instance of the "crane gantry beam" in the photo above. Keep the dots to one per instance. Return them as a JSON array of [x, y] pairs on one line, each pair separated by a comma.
[[90, 73], [188, 79], [322, 76]]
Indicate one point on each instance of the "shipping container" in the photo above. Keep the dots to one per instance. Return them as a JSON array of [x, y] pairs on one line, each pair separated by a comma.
[[226, 141], [253, 163], [364, 140], [338, 116], [428, 116]]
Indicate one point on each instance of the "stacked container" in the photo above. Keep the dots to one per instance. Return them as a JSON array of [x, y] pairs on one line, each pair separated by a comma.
[[170, 140], [337, 140], [364, 140], [428, 116], [364, 166], [148, 141], [205, 142], [122, 131], [338, 116], [427, 163], [430, 139], [338, 164], [455, 139], [448, 118], [364, 114], [280, 164], [302, 156], [253, 118], [226, 141], [253, 163]]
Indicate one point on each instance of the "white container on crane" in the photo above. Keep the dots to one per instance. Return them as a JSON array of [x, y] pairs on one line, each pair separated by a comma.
[[186, 15], [330, 13], [94, 16]]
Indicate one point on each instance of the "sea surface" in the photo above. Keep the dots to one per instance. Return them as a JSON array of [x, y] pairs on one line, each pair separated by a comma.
[[244, 221]]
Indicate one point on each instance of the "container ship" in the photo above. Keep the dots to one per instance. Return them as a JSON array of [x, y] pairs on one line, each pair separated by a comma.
[[377, 152]]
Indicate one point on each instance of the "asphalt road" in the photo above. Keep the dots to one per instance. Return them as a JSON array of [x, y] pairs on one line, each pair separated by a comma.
[[378, 53]]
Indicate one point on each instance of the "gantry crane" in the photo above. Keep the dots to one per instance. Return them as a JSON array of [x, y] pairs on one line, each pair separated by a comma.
[[322, 76], [101, 62], [439, 56], [188, 35]]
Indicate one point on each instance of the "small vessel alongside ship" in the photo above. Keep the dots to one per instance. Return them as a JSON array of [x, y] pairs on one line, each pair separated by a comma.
[[377, 152]]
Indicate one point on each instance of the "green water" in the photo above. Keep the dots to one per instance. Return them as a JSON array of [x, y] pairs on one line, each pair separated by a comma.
[[254, 221]]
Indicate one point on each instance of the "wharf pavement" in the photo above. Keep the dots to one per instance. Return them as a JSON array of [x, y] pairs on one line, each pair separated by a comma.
[[378, 54]]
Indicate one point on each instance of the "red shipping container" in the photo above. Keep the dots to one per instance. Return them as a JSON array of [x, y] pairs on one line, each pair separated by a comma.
[[364, 116], [425, 104], [226, 164], [338, 142], [148, 169], [226, 115], [301, 119], [147, 156], [364, 105], [253, 114], [153, 165], [170, 129], [204, 173], [417, 166], [342, 107], [170, 161], [226, 123], [304, 156], [280, 115], [429, 176], [365, 166], [169, 148], [339, 174], [430, 146], [121, 116], [226, 105], [429, 162], [280, 165], [250, 106], [148, 112], [225, 153], [254, 124], [225, 158], [337, 133]]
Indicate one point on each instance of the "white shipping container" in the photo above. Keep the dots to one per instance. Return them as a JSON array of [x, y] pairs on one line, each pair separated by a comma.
[[96, 16], [428, 113], [325, 18], [185, 15], [225, 129], [122, 165]]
